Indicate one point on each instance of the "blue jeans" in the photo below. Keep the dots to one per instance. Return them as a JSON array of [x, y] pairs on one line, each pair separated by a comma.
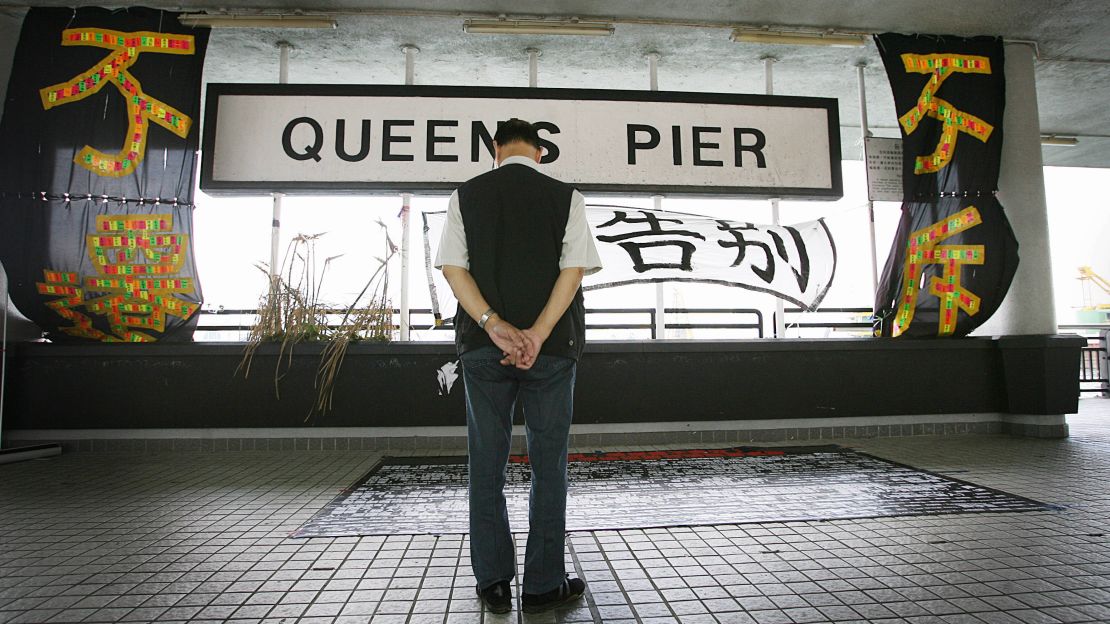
[[546, 392]]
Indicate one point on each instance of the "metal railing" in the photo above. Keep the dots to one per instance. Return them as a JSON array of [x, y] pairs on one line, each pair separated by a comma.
[[1094, 370], [756, 325], [637, 323], [827, 322], [217, 325], [703, 323]]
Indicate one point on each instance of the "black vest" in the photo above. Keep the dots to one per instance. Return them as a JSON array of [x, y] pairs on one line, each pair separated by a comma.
[[515, 218]]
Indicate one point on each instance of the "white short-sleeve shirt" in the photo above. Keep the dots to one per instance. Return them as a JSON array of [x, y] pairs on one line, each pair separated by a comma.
[[579, 249]]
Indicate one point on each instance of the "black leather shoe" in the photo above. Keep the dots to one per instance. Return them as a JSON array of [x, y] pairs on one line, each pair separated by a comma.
[[498, 597], [571, 590]]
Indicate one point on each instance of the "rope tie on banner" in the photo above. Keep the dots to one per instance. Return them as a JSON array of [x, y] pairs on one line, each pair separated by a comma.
[[960, 194], [103, 199]]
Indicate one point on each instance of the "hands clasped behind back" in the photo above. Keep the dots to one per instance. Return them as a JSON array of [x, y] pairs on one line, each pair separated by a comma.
[[520, 347]]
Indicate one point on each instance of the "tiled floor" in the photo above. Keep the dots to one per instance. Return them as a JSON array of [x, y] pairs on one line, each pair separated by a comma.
[[174, 537]]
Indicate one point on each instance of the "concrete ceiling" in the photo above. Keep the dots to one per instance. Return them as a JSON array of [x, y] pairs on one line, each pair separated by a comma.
[[1073, 68]]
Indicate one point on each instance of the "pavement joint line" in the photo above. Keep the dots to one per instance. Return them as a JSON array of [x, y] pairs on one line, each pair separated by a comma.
[[588, 597]]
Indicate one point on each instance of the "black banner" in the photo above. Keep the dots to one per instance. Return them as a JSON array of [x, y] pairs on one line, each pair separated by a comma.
[[954, 250], [100, 133]]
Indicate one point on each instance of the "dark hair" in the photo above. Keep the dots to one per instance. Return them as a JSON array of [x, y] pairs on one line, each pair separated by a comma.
[[516, 130]]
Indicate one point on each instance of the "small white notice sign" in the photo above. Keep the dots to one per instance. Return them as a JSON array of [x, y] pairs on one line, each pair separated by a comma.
[[884, 169]]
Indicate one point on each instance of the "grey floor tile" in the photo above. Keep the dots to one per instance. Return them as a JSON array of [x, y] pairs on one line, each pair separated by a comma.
[[177, 536]]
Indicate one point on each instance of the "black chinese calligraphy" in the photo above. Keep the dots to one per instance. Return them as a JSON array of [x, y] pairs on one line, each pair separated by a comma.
[[635, 248], [767, 272]]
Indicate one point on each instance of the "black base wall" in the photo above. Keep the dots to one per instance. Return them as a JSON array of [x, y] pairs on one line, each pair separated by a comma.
[[395, 385]]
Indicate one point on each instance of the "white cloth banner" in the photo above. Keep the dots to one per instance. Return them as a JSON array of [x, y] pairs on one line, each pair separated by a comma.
[[795, 263]]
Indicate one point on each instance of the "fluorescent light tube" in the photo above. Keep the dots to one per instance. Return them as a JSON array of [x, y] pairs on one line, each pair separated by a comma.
[[834, 39], [257, 21], [535, 27], [1064, 141]]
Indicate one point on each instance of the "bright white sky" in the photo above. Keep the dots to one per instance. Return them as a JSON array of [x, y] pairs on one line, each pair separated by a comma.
[[232, 236]]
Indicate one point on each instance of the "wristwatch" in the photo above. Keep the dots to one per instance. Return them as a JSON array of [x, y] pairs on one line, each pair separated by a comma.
[[485, 318]]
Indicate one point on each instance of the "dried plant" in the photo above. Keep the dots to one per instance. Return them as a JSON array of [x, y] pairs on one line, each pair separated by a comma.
[[292, 312], [371, 321]]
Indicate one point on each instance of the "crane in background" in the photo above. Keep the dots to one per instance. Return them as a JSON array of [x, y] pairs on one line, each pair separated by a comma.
[[1088, 276], [1098, 311]]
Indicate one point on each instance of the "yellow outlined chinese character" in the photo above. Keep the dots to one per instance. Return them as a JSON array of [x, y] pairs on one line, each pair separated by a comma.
[[140, 295], [67, 286], [941, 66], [114, 69], [137, 260], [923, 248]]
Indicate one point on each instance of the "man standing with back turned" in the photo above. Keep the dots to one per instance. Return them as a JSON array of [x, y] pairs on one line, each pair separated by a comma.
[[515, 249]]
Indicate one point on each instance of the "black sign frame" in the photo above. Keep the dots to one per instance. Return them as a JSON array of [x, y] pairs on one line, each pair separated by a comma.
[[223, 187]]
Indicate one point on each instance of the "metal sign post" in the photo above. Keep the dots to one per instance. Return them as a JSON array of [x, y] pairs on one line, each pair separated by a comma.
[[657, 202], [780, 309], [533, 66], [870, 204], [410, 52], [275, 220]]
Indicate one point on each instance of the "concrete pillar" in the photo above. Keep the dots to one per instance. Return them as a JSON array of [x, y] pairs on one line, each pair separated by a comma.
[[1029, 307]]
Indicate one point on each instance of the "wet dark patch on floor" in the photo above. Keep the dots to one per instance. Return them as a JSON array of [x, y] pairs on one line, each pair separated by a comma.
[[624, 490]]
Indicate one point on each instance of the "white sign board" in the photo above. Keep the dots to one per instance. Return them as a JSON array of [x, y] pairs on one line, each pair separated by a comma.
[[884, 169], [329, 138]]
